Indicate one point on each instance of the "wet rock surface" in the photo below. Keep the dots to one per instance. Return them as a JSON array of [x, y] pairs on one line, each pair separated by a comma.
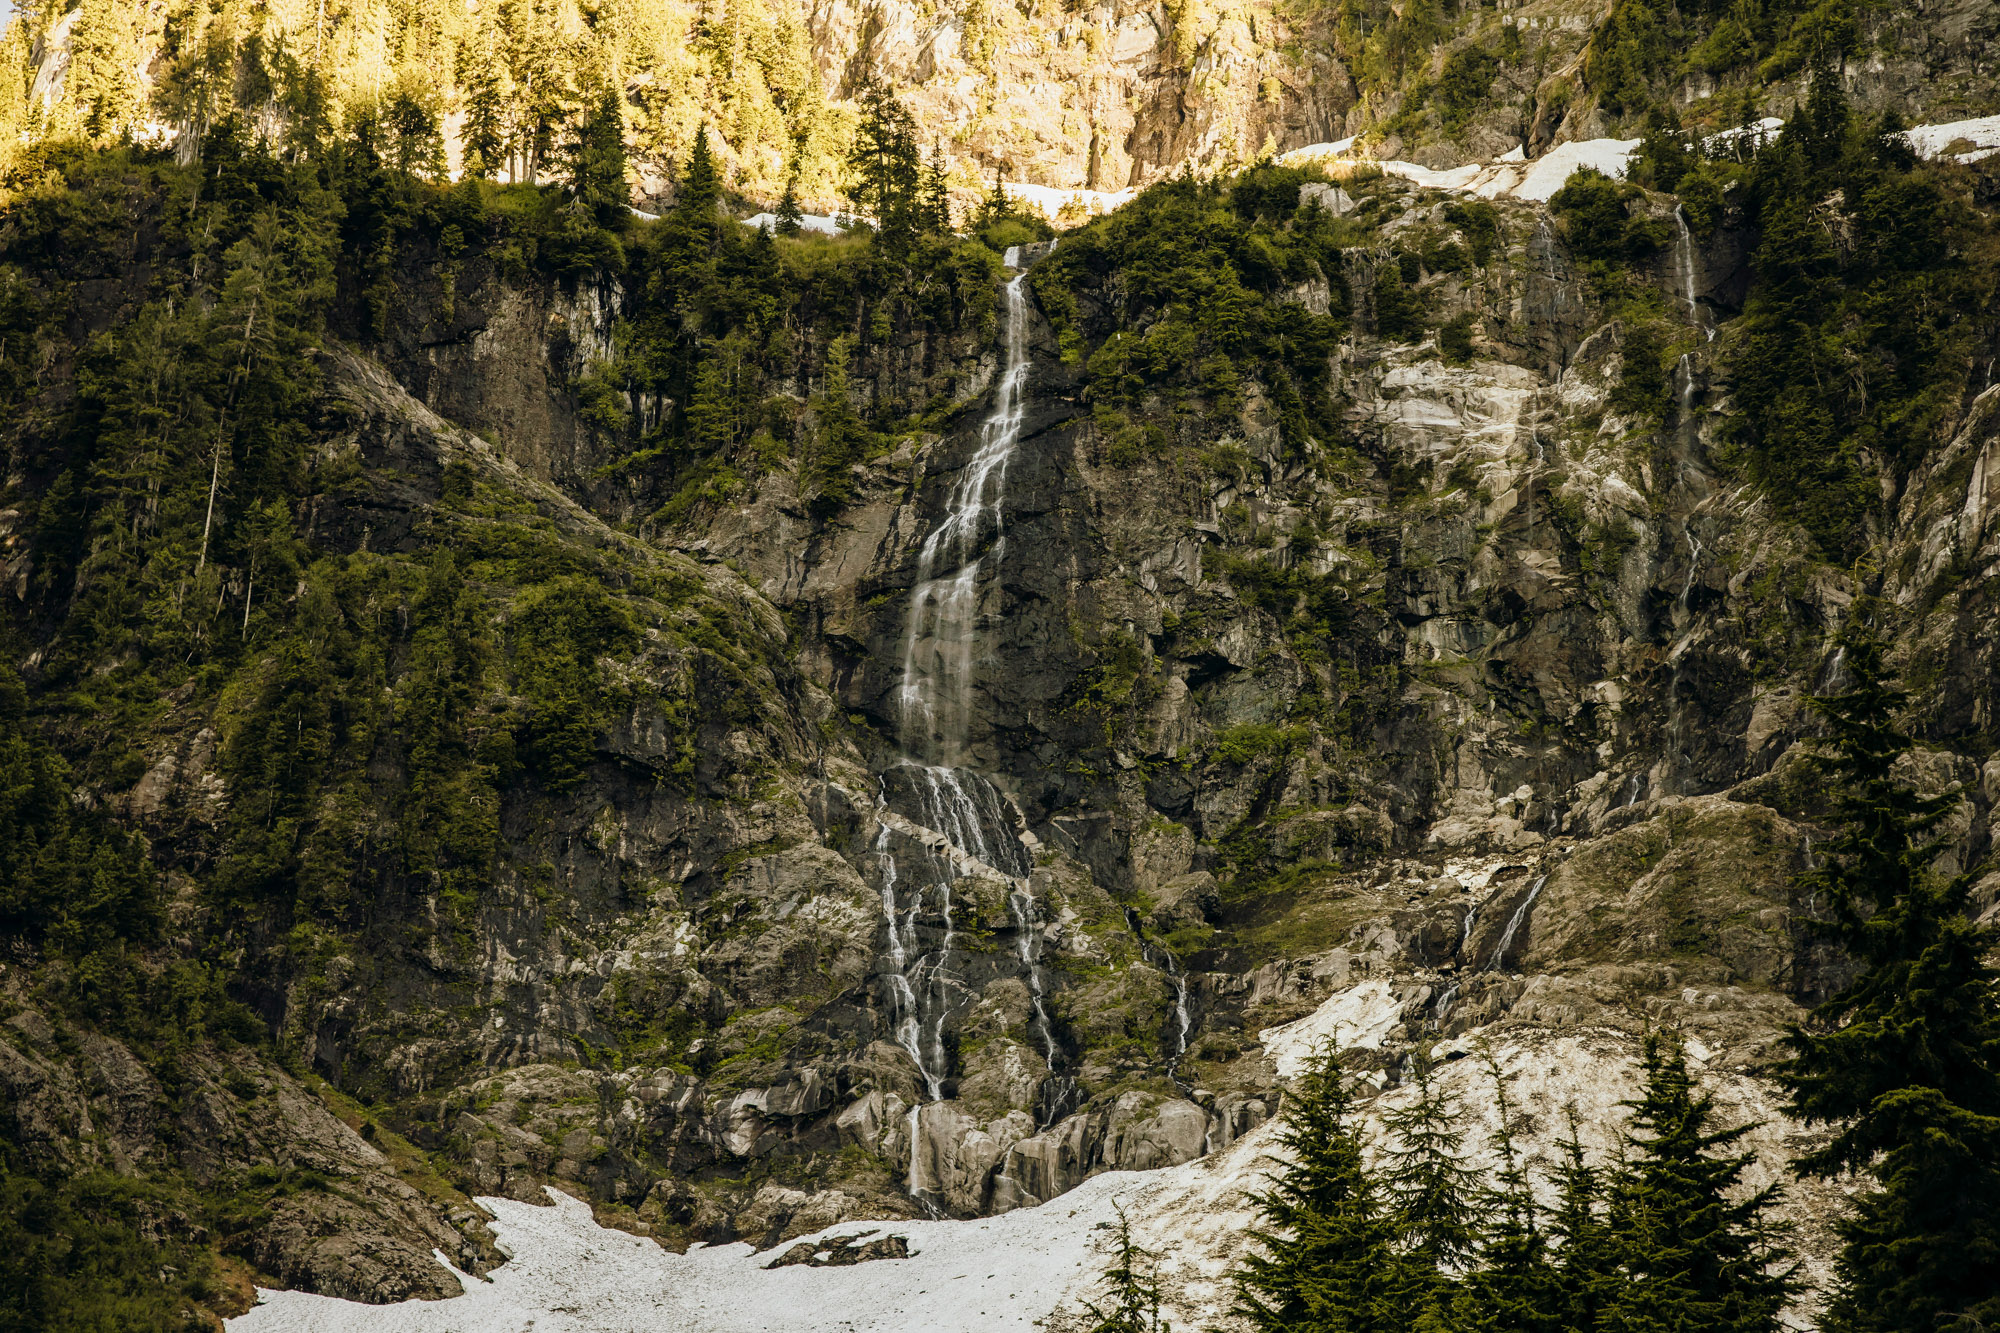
[[1547, 786]]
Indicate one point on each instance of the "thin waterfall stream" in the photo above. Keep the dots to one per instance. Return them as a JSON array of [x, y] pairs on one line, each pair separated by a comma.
[[960, 820], [1498, 961]]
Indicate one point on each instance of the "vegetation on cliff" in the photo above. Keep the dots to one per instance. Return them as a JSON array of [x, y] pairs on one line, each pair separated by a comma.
[[1903, 1061]]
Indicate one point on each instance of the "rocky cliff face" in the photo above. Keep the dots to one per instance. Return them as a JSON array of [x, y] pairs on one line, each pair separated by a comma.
[[1493, 702], [1121, 95]]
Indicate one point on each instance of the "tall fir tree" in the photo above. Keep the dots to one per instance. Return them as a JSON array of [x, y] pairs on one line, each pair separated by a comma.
[[597, 159], [701, 182], [1324, 1258], [1434, 1194], [1580, 1234], [936, 201], [415, 131], [1690, 1260], [1905, 1060], [1133, 1277], [486, 101], [1515, 1287], [789, 214], [101, 87], [888, 166]]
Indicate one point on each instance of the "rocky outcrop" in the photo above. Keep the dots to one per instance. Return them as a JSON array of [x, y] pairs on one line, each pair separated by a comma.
[[83, 1101]]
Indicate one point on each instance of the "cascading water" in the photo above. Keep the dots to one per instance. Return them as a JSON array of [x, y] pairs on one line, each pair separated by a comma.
[[961, 821], [1181, 1027], [1499, 958], [1441, 1010], [1686, 253], [1694, 566], [935, 700], [1696, 315]]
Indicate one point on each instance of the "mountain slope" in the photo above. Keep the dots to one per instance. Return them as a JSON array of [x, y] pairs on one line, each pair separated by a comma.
[[767, 732]]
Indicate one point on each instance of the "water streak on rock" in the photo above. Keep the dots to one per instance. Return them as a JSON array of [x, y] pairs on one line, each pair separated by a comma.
[[961, 821], [1499, 958]]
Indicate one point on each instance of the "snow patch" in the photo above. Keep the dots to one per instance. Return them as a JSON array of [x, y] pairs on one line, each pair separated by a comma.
[[1050, 201], [1932, 140], [1013, 1272], [1360, 1017], [820, 223]]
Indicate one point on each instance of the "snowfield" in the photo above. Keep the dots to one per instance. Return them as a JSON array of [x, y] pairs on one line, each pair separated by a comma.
[[1512, 177], [1033, 1267]]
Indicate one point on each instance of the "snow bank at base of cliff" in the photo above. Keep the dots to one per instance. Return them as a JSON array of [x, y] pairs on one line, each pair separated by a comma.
[[1033, 1267]]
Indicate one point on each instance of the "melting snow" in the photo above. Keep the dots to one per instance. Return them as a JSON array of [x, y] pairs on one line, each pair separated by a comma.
[[1051, 201], [1932, 140], [1358, 1017], [565, 1274], [1512, 177], [807, 222]]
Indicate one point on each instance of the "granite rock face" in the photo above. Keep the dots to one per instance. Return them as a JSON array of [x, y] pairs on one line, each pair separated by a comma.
[[760, 985]]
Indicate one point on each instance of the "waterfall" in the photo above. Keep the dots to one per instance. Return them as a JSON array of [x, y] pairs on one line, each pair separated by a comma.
[[959, 818], [1059, 1089], [1685, 250], [934, 703], [1694, 565], [902, 999], [1181, 1027], [1499, 958]]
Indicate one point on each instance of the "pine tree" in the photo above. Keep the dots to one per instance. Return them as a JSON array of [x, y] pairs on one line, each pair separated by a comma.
[[789, 215], [1135, 1289], [1433, 1196], [1433, 1193], [712, 417], [1515, 1287], [936, 203], [1905, 1060], [888, 167], [17, 117], [101, 85], [1324, 1257], [996, 206], [416, 132], [597, 159], [486, 100], [701, 182], [1691, 1261], [1585, 1250]]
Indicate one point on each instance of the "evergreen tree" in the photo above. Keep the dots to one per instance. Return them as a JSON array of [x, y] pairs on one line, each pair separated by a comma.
[[597, 160], [936, 202], [841, 438], [416, 132], [1515, 1287], [486, 99], [1433, 1194], [887, 166], [1580, 1234], [101, 84], [1135, 1290], [713, 419], [1905, 1060], [1690, 1260], [1324, 1259], [701, 183], [789, 214], [996, 206]]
